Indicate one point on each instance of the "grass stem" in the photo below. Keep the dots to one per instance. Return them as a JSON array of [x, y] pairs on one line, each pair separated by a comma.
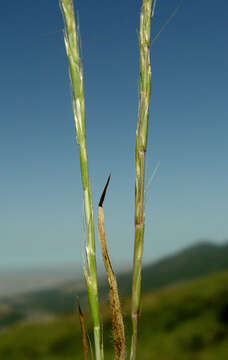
[[71, 38], [147, 12]]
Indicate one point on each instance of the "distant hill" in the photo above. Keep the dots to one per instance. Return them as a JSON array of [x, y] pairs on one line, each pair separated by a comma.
[[16, 281], [185, 321], [198, 260], [195, 261]]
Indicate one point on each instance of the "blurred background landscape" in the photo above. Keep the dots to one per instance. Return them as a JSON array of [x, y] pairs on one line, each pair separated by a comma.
[[185, 309]]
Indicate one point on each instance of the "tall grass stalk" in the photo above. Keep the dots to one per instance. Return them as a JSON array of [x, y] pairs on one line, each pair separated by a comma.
[[71, 38], [90, 272], [147, 12]]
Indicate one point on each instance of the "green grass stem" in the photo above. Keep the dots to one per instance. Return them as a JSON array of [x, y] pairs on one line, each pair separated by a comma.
[[76, 77], [147, 12]]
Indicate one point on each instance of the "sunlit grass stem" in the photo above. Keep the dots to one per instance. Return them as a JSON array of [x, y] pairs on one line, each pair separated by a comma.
[[147, 12], [76, 76]]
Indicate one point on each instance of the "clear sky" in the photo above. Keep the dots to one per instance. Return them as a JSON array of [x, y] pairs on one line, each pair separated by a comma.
[[41, 206]]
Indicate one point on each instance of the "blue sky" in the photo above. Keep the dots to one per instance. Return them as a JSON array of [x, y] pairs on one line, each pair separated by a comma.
[[41, 207]]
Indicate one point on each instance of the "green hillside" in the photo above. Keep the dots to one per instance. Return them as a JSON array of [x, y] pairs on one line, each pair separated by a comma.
[[198, 260], [187, 321]]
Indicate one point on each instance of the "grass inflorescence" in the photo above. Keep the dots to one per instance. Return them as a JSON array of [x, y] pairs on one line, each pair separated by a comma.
[[71, 38]]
